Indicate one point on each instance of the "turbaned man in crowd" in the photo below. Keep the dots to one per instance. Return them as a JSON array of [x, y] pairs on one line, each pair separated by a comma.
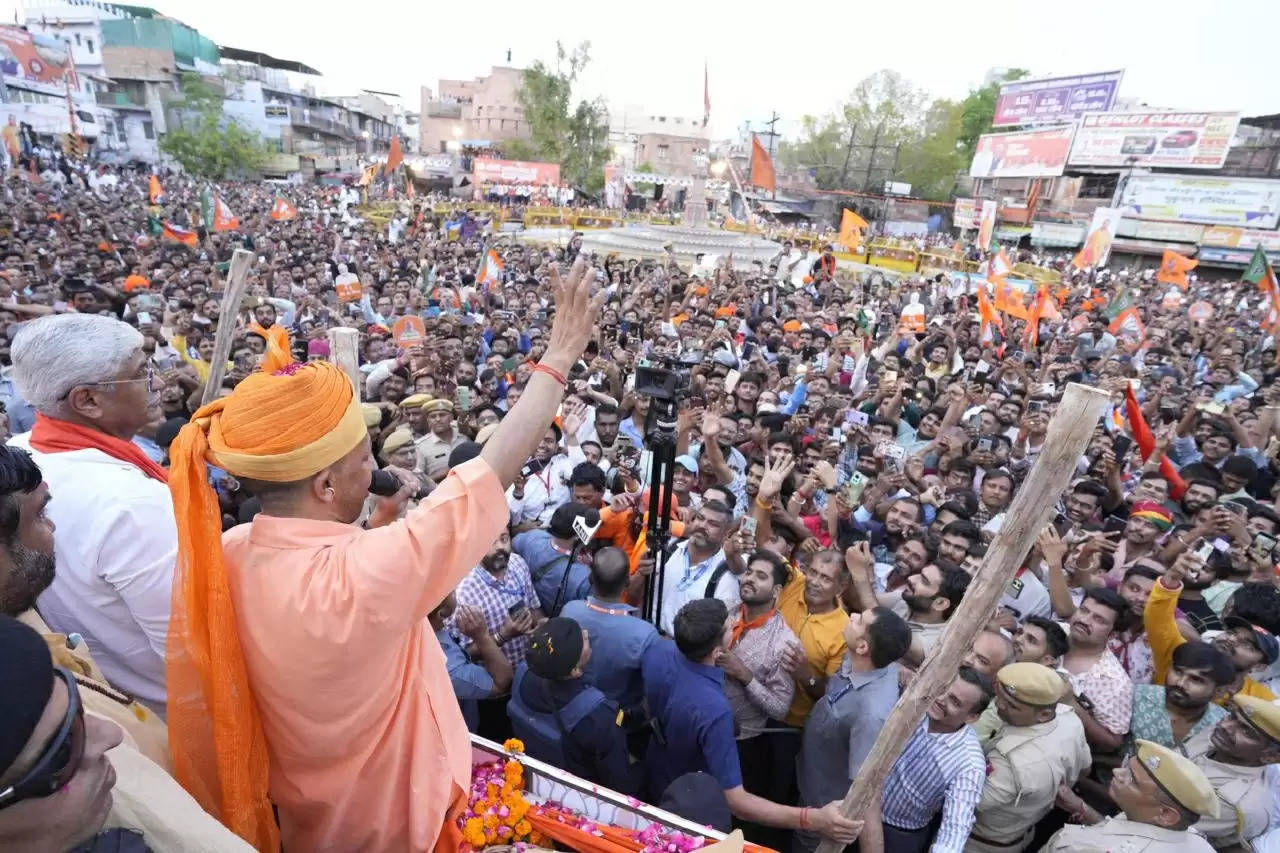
[[301, 664]]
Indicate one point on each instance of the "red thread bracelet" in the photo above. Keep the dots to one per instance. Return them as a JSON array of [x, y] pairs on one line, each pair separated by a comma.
[[552, 372]]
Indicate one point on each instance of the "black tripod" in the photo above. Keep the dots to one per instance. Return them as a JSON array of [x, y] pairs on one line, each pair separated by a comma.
[[660, 439]]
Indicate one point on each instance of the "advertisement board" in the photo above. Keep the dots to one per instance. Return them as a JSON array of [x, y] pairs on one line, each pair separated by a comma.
[[1185, 140], [490, 171], [36, 62], [1022, 153], [966, 214], [1240, 202], [1241, 238], [1172, 232], [1057, 233], [1050, 100]]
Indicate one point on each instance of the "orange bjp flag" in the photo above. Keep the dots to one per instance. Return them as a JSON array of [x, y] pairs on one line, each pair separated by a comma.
[[851, 227], [1174, 268], [282, 209], [223, 218], [154, 192], [179, 234], [762, 174], [395, 156]]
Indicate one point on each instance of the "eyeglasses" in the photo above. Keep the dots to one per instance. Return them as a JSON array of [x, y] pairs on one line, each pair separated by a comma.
[[60, 761], [149, 378]]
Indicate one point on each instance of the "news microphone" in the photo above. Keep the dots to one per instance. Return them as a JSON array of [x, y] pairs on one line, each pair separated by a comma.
[[384, 484]]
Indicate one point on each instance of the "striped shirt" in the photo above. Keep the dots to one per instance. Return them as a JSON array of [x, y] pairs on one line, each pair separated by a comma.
[[936, 771]]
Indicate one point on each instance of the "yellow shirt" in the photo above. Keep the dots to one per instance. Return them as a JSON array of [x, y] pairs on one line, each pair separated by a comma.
[[1163, 635], [822, 636], [368, 748]]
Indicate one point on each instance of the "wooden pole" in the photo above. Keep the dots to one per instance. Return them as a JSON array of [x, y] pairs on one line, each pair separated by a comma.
[[1069, 433], [344, 346], [237, 281]]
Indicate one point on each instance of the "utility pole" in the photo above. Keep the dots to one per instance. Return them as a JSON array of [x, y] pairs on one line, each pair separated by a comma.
[[774, 118], [871, 158], [848, 153]]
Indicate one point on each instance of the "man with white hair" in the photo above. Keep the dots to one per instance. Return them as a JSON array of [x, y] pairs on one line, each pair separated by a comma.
[[90, 382]]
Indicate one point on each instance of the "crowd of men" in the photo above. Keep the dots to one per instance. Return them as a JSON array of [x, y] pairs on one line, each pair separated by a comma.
[[838, 477]]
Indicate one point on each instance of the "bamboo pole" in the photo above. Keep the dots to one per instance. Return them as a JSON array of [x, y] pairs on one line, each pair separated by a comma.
[[344, 345], [1069, 434], [237, 281]]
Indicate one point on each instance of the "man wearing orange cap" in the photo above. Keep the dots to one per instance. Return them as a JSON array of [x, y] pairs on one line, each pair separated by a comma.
[[302, 670]]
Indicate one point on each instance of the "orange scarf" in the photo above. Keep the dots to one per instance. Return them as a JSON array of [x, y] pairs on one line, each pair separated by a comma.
[[279, 354], [742, 626], [51, 435]]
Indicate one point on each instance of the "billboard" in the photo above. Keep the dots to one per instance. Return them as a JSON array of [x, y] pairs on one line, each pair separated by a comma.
[[490, 171], [1022, 153], [966, 213], [1051, 100], [1097, 243], [1185, 140], [1239, 202], [1241, 238], [35, 62]]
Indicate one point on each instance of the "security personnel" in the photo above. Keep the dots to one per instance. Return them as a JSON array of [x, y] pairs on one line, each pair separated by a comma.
[[1041, 746], [1160, 794], [563, 720], [435, 446], [1240, 748]]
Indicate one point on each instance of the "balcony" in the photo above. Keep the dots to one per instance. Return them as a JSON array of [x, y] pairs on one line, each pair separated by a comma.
[[122, 100], [444, 109], [308, 119]]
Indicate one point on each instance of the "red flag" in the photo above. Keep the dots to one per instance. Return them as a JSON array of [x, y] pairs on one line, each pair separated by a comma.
[[395, 156], [1147, 444], [762, 174]]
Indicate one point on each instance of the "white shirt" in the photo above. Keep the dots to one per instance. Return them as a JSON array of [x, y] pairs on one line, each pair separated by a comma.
[[545, 490], [682, 583], [115, 545]]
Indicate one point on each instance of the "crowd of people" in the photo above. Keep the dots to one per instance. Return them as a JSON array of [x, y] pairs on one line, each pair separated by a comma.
[[215, 637]]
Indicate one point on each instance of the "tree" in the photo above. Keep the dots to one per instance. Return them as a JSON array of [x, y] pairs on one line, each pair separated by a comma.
[[853, 147], [206, 142], [979, 108], [575, 137], [930, 164]]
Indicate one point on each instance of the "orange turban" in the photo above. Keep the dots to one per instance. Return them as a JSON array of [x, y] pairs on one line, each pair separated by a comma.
[[279, 427], [136, 282], [279, 353]]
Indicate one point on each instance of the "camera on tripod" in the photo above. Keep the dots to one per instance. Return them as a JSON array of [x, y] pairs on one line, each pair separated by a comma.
[[662, 378]]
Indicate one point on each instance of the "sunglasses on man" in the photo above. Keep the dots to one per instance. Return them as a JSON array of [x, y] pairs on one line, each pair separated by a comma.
[[60, 760]]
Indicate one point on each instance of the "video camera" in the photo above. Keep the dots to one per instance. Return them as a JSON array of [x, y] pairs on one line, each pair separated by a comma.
[[662, 378]]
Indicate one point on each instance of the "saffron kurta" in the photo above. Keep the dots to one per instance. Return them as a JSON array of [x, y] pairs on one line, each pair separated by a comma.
[[368, 747]]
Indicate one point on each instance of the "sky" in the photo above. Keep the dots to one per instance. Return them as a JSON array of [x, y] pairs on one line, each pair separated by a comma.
[[762, 58]]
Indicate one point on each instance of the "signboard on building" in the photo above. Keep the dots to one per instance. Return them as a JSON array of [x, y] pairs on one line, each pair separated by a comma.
[[987, 224], [489, 171], [1022, 153], [1057, 233], [1240, 202], [1170, 232], [34, 61], [1241, 238], [1183, 140], [966, 214], [1051, 100]]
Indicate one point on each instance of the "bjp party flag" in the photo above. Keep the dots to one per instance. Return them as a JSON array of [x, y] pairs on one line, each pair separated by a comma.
[[154, 192], [1260, 272], [223, 218], [179, 234], [395, 156], [282, 209], [851, 227], [1174, 269]]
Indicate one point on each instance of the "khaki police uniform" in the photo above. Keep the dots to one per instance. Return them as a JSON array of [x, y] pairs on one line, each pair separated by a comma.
[[1026, 764], [433, 451], [1243, 798], [1181, 780], [1119, 835]]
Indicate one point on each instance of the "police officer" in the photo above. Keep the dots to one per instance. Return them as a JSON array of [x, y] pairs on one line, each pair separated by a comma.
[[1041, 746], [1161, 795], [435, 446], [563, 720], [1240, 748]]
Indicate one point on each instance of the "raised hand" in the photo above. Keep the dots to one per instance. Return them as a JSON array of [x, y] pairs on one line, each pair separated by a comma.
[[776, 472], [576, 314]]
